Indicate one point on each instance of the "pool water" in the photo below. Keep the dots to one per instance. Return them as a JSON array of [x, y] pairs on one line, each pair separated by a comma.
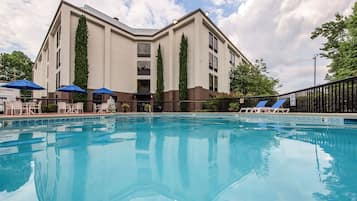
[[182, 158]]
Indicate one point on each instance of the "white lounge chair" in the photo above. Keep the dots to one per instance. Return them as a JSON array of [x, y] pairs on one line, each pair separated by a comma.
[[61, 107], [16, 108], [78, 108], [257, 108], [276, 108], [104, 107]]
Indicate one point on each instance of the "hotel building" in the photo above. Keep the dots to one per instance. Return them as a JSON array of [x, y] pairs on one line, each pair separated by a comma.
[[123, 59]]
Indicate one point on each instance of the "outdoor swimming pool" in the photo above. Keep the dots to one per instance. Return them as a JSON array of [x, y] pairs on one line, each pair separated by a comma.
[[178, 157]]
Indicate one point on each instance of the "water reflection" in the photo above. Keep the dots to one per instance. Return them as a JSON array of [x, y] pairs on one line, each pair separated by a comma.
[[339, 177], [15, 170], [180, 159]]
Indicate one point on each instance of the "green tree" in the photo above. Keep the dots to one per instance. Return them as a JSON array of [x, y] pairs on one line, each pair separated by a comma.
[[340, 45], [183, 90], [160, 78], [15, 66], [81, 57], [253, 80]]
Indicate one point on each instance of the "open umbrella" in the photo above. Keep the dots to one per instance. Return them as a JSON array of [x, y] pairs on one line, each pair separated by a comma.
[[103, 91], [23, 84], [71, 88]]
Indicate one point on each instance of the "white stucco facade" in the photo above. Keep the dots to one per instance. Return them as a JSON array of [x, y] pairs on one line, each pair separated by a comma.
[[113, 53]]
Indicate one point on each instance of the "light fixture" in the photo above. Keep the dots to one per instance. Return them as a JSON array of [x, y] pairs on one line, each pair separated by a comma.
[[207, 13], [174, 21]]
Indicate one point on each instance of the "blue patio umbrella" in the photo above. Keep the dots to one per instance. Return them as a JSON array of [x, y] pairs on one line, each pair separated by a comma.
[[71, 88], [23, 84], [103, 91]]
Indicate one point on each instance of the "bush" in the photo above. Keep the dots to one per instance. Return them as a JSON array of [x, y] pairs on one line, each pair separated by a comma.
[[221, 103], [147, 108], [125, 107], [50, 108], [233, 107]]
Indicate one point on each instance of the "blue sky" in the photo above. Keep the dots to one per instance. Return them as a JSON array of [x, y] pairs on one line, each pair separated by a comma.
[[276, 30]]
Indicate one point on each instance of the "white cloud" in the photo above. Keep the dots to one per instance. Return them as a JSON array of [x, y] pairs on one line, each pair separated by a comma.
[[276, 30], [25, 22], [279, 31]]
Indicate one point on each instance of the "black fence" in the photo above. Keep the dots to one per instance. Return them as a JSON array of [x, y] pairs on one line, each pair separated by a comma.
[[333, 97]]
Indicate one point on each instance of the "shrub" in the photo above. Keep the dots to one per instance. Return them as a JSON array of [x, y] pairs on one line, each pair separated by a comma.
[[233, 107], [147, 108], [125, 107], [50, 108]]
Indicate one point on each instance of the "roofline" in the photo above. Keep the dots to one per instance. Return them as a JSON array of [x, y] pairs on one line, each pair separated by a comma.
[[199, 10]]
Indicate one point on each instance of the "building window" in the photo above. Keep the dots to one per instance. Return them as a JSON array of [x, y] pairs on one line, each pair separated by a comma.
[[215, 44], [143, 87], [144, 50], [215, 63], [58, 58], [232, 59], [210, 39], [210, 82], [143, 67], [58, 80], [58, 37], [210, 63], [215, 83]]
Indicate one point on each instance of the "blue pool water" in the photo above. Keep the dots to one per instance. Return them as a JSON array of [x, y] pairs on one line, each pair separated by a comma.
[[182, 158]]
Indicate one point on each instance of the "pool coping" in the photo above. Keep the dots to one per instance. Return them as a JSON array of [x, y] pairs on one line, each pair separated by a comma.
[[56, 115]]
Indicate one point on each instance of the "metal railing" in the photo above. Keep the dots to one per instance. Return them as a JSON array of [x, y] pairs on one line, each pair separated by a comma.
[[334, 97]]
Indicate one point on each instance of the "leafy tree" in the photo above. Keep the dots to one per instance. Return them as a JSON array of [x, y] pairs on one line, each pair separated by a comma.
[[81, 57], [15, 66], [183, 90], [340, 45], [252, 80], [160, 78]]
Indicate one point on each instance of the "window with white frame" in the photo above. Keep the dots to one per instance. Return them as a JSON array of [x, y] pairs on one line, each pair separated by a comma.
[[215, 44], [58, 37], [143, 67], [58, 79], [232, 59], [210, 40], [215, 63], [210, 63], [210, 80], [58, 58], [215, 84], [144, 49]]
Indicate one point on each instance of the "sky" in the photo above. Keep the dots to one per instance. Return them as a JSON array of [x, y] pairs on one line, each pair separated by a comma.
[[276, 30]]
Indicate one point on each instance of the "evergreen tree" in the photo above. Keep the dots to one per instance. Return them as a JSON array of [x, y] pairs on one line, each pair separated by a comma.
[[183, 90], [160, 78], [81, 58]]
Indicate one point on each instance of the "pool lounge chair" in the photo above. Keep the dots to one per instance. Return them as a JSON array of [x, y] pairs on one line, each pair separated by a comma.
[[276, 108], [261, 104]]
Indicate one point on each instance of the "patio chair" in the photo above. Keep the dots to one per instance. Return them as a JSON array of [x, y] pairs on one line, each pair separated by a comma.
[[104, 107], [16, 108], [78, 108], [36, 108], [8, 107], [276, 108], [261, 104], [61, 107]]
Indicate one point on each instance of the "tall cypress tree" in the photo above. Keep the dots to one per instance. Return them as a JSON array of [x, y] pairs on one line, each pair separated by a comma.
[[160, 78], [81, 57], [183, 91]]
